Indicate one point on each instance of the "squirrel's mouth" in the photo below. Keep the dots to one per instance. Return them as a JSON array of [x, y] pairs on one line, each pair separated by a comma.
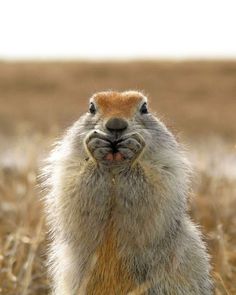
[[115, 154], [114, 145]]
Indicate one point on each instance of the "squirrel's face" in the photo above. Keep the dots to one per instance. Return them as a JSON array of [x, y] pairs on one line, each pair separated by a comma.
[[119, 126], [125, 106]]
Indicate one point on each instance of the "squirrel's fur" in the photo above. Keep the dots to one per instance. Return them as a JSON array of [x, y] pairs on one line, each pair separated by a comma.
[[120, 226]]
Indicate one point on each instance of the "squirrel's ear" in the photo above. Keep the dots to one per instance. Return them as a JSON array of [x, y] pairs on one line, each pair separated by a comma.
[[144, 108], [92, 108]]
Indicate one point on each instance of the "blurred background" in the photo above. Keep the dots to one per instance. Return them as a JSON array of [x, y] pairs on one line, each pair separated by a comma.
[[55, 54]]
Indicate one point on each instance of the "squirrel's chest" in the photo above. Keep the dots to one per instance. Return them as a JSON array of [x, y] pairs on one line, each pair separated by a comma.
[[109, 275]]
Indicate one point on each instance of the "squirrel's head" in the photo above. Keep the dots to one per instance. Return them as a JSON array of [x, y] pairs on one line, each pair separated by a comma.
[[117, 113], [120, 125]]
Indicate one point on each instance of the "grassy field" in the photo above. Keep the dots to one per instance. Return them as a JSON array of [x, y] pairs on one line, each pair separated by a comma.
[[197, 100]]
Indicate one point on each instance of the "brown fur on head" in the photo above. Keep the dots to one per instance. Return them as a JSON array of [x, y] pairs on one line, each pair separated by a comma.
[[118, 104]]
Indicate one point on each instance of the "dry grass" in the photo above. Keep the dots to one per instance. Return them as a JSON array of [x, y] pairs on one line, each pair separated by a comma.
[[38, 100]]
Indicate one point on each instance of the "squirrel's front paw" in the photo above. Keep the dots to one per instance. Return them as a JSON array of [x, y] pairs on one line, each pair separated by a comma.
[[104, 149], [131, 146], [98, 145]]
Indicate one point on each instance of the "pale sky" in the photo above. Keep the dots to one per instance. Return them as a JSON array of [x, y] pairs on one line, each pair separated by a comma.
[[104, 29]]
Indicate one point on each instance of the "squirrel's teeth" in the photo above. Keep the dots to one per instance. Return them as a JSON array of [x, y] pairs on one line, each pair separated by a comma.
[[118, 156], [110, 157], [114, 157]]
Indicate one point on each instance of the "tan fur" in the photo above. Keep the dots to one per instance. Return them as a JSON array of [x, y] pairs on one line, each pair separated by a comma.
[[109, 272], [116, 104]]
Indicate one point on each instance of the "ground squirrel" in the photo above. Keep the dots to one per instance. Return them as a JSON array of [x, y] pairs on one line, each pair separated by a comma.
[[117, 206]]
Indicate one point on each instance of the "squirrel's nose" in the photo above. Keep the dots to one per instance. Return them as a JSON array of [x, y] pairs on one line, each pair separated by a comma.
[[116, 124]]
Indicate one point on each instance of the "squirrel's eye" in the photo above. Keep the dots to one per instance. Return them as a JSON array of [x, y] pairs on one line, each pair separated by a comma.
[[144, 109], [92, 108]]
